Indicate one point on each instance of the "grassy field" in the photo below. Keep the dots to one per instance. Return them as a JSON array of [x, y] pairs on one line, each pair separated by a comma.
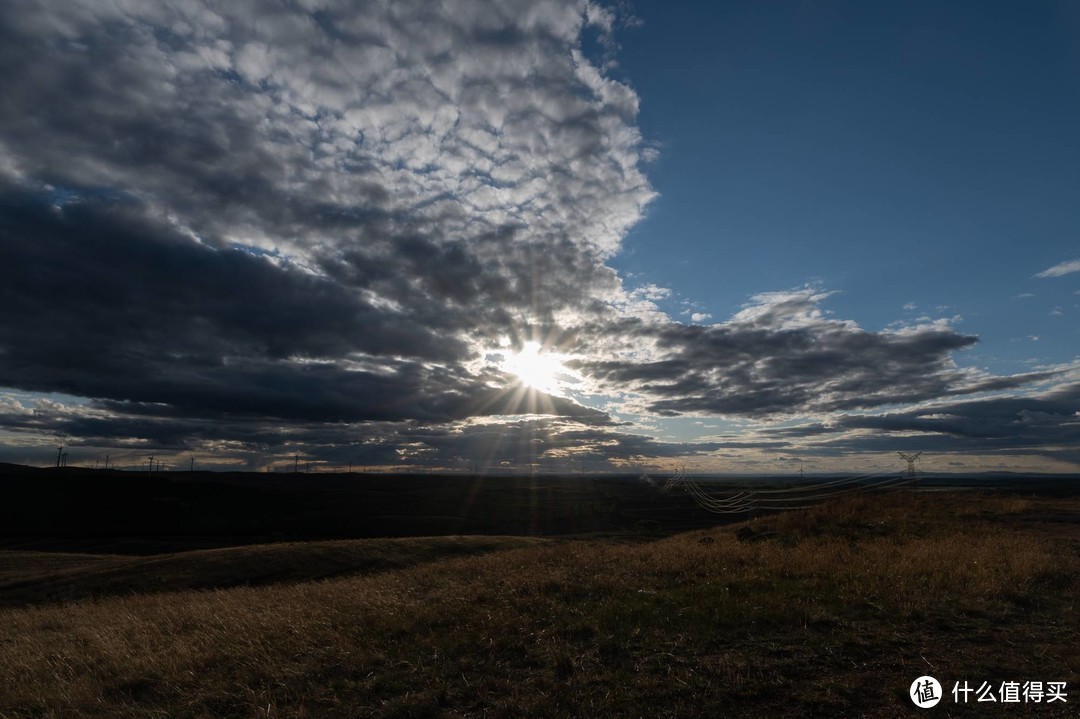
[[28, 577], [828, 612]]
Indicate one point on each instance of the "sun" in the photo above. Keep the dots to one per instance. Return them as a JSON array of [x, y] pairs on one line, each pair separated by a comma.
[[535, 368]]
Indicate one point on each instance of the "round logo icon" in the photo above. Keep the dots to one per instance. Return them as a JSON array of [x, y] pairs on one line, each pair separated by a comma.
[[925, 692]]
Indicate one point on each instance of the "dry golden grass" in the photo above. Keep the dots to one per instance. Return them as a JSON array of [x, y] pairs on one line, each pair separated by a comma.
[[833, 614]]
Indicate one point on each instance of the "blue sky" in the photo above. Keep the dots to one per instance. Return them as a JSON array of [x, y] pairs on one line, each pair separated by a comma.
[[541, 233], [899, 154]]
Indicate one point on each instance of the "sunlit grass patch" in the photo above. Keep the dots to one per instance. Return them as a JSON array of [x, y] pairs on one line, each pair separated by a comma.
[[835, 612]]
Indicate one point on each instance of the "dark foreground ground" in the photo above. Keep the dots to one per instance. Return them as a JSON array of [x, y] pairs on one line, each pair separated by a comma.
[[132, 513], [831, 611]]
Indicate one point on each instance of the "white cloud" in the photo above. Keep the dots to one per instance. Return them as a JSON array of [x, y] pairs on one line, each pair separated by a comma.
[[784, 310], [9, 405], [1061, 268]]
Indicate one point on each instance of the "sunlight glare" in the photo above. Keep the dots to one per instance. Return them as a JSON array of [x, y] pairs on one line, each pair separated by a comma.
[[535, 368]]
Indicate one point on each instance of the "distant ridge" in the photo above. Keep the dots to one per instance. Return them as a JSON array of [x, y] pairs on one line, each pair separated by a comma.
[[9, 468]]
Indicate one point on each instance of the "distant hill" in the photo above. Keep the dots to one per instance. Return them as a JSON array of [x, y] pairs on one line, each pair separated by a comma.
[[28, 577], [132, 513], [9, 468]]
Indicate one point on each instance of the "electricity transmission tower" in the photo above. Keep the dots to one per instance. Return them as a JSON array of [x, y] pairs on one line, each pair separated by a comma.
[[910, 459]]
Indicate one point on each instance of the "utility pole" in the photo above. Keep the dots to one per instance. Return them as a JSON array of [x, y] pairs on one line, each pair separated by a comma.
[[296, 464], [59, 451], [910, 459], [192, 465], [151, 470]]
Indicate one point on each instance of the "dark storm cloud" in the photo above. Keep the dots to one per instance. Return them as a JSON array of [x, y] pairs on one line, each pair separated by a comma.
[[308, 212], [554, 444], [157, 319], [155, 310], [782, 355], [1046, 424], [100, 274]]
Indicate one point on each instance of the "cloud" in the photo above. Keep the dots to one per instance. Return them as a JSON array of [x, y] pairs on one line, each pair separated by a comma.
[[553, 444], [251, 227], [160, 323], [1061, 268], [782, 355], [322, 214], [329, 127], [1047, 424]]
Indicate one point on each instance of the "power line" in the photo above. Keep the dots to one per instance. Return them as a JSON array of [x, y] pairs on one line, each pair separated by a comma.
[[745, 499]]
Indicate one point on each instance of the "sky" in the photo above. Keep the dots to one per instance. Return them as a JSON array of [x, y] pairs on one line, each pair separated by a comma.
[[540, 236]]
